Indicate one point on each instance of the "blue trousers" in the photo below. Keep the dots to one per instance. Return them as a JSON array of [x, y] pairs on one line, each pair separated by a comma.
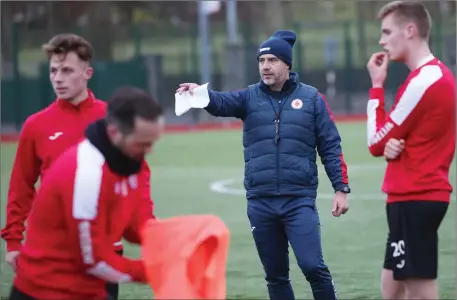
[[276, 222]]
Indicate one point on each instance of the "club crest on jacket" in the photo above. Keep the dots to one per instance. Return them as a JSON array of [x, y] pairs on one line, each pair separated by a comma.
[[297, 104]]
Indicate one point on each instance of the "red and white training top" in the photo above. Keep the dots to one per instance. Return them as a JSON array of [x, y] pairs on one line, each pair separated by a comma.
[[44, 137], [423, 115], [80, 210]]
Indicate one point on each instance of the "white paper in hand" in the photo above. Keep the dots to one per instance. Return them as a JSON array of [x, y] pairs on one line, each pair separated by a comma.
[[185, 101]]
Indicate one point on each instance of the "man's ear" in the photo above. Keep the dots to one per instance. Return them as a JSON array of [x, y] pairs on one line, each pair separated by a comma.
[[88, 72], [411, 30], [111, 129]]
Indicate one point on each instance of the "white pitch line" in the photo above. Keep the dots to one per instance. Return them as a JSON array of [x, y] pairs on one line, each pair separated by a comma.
[[223, 186]]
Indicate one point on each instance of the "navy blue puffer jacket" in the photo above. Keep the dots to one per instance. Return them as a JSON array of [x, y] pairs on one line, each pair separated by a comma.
[[282, 134]]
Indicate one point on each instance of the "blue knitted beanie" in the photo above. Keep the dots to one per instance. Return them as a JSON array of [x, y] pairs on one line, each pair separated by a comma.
[[280, 44]]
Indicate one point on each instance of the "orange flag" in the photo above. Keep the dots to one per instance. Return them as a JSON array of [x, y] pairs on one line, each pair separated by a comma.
[[185, 257]]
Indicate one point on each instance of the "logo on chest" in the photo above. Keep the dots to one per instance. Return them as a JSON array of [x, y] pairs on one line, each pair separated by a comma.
[[297, 104], [124, 186], [55, 135]]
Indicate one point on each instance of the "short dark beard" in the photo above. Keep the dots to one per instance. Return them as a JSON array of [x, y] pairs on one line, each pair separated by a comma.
[[117, 160], [121, 147]]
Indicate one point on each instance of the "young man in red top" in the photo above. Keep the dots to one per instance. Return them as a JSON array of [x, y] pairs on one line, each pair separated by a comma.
[[90, 196], [47, 133], [418, 140]]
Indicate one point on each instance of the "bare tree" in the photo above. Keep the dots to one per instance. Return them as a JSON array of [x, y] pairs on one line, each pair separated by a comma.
[[274, 13], [7, 14], [361, 32], [100, 30]]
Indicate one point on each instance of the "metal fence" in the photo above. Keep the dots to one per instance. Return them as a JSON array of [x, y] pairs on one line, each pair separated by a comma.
[[330, 56]]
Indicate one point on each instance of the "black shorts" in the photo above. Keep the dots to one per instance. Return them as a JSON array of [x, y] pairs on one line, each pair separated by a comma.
[[16, 294], [412, 242]]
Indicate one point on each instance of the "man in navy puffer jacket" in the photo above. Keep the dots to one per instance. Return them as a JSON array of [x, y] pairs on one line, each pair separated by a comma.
[[284, 123]]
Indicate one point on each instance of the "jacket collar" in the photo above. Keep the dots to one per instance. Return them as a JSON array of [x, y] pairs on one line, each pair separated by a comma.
[[288, 86], [117, 161], [86, 103]]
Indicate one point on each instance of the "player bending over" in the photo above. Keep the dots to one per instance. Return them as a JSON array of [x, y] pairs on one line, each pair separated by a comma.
[[90, 196]]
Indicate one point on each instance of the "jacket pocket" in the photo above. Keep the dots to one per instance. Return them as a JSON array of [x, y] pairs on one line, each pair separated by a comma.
[[305, 172], [300, 174], [247, 175], [247, 168]]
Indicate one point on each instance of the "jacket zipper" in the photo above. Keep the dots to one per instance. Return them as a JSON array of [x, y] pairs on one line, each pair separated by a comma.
[[278, 117], [277, 157]]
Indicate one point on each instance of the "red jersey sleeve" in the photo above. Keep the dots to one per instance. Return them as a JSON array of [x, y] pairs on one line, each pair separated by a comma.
[[24, 175], [88, 220], [145, 211], [405, 113]]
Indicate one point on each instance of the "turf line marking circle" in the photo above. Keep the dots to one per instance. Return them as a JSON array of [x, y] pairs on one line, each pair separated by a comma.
[[224, 186]]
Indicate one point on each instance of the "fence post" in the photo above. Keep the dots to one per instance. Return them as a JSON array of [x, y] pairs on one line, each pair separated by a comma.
[[298, 52], [249, 48], [16, 74], [153, 69], [438, 39], [137, 39], [193, 49], [348, 66]]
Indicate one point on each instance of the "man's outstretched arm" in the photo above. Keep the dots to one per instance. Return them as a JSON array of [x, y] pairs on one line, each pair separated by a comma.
[[227, 104], [218, 104]]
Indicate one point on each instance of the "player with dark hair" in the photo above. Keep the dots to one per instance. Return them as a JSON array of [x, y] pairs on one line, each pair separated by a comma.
[[49, 132], [418, 140], [91, 195]]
